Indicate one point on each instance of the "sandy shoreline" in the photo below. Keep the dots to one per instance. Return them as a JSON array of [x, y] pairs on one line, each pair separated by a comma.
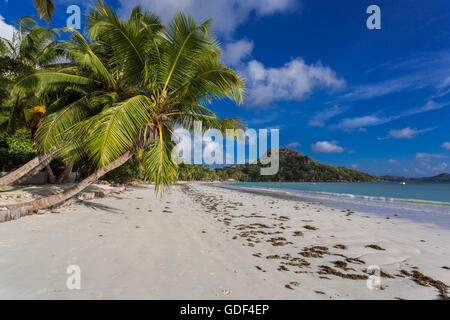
[[204, 242]]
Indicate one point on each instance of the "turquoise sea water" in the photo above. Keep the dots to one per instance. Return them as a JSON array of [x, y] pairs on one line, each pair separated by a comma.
[[427, 202]]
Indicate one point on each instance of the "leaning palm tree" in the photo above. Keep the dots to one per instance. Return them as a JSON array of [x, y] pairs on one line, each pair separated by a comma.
[[31, 48], [45, 9], [81, 88], [174, 75]]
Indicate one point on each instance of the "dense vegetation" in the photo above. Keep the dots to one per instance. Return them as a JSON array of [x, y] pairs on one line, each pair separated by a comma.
[[31, 49], [15, 149]]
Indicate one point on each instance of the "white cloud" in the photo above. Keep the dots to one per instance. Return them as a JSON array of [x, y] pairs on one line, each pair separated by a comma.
[[318, 120], [406, 133], [428, 164], [264, 118], [424, 157], [360, 122], [392, 161], [445, 83], [375, 120], [6, 30], [446, 145], [326, 147], [235, 52], [430, 168], [429, 106], [424, 70], [294, 81], [227, 14], [384, 88], [293, 145], [209, 148], [212, 149]]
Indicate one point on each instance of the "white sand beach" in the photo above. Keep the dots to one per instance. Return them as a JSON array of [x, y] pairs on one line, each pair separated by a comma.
[[205, 242]]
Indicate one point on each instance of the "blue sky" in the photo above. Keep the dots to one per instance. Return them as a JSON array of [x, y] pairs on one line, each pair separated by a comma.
[[375, 100]]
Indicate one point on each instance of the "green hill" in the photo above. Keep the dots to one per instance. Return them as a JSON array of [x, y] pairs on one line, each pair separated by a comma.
[[294, 167]]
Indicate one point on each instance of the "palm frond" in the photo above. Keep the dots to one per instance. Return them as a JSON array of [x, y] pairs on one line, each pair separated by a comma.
[[5, 46], [158, 164], [212, 81], [185, 42], [25, 24], [75, 137], [100, 101], [187, 121], [126, 40], [82, 53], [45, 9], [117, 129], [53, 126], [47, 79]]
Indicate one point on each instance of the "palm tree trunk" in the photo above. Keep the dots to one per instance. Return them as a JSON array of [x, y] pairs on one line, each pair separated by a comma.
[[65, 176], [12, 118], [29, 169], [51, 175], [66, 195]]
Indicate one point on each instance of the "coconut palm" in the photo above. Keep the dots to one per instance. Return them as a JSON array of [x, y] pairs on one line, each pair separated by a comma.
[[78, 89], [170, 76], [31, 48], [45, 9]]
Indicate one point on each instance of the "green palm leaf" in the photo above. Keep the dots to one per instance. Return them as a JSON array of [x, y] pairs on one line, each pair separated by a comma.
[[53, 127], [184, 43], [81, 52], [212, 80], [117, 129], [187, 121], [46, 79], [45, 8], [158, 164], [129, 40]]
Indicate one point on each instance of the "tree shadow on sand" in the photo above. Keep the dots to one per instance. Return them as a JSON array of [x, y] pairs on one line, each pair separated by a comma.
[[101, 207]]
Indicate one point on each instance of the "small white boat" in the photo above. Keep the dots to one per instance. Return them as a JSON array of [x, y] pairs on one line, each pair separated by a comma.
[[403, 182]]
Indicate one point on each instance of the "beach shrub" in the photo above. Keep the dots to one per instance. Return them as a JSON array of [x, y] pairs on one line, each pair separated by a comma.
[[21, 142], [16, 149]]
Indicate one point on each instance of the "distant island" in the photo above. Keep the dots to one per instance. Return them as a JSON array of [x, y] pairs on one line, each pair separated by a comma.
[[294, 167], [443, 177]]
